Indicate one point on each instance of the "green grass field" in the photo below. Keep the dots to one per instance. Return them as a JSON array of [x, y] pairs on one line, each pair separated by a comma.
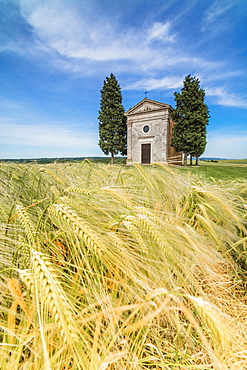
[[220, 170], [121, 268]]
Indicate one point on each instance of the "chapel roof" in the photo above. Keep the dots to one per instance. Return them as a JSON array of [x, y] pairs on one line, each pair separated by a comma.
[[147, 105]]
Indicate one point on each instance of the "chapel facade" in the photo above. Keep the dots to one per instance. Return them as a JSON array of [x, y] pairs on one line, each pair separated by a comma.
[[149, 134]]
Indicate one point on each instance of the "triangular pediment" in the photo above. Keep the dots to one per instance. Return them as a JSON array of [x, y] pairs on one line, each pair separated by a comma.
[[147, 105]]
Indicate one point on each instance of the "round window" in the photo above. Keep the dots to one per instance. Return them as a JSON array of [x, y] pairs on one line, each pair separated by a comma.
[[146, 129]]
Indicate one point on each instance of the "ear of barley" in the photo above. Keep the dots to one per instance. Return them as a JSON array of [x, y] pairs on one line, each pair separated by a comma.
[[47, 290], [80, 226], [55, 177], [123, 198], [150, 183], [44, 277], [213, 319], [152, 215], [142, 221], [78, 190], [165, 168], [55, 191], [26, 223], [136, 234]]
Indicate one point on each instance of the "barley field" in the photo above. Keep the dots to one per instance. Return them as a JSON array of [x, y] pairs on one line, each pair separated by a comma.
[[111, 268]]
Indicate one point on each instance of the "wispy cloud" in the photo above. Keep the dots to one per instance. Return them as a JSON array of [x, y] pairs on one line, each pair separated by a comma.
[[82, 43], [85, 42], [153, 84], [220, 16], [160, 31], [218, 9], [79, 38], [224, 97]]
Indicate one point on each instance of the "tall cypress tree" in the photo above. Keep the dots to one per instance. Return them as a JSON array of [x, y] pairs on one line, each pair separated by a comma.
[[191, 117], [112, 121]]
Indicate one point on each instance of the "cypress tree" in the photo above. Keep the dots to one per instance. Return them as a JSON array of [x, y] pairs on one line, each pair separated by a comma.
[[112, 121], [191, 117]]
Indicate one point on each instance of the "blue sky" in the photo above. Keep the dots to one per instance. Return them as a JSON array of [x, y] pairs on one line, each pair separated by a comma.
[[55, 55]]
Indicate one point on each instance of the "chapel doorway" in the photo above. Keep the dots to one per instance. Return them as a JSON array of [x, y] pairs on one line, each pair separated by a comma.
[[146, 154]]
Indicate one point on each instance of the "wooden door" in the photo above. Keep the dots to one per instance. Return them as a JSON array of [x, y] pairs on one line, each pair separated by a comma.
[[146, 153]]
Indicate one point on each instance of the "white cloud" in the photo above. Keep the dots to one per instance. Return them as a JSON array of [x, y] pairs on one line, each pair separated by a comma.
[[86, 42], [79, 37], [76, 35], [152, 83], [160, 31], [223, 97]]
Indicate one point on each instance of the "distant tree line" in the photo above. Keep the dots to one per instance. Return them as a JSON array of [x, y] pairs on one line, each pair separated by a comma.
[[120, 160]]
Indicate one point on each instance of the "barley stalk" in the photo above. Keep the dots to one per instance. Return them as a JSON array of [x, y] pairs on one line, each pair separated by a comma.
[[16, 292], [81, 227], [11, 320]]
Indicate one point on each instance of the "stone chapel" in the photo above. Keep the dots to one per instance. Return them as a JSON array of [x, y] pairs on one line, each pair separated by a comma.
[[149, 133]]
